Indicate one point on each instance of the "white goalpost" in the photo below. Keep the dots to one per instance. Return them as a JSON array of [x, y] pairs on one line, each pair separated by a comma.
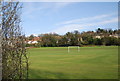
[[78, 48]]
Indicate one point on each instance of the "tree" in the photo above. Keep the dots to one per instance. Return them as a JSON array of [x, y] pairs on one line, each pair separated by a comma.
[[87, 39], [118, 42], [110, 31], [31, 37], [0, 41], [110, 41], [100, 31], [77, 38], [73, 38], [48, 40], [67, 38], [14, 57], [97, 41], [63, 41]]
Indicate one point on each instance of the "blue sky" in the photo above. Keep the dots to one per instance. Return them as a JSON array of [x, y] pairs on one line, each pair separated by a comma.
[[61, 17]]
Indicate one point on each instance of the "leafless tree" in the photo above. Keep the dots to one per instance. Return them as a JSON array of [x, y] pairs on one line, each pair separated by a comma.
[[14, 56]]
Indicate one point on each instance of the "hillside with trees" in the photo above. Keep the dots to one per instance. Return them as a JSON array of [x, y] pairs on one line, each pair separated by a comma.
[[100, 36]]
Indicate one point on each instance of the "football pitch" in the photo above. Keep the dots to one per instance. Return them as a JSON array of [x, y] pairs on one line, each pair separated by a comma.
[[100, 62]]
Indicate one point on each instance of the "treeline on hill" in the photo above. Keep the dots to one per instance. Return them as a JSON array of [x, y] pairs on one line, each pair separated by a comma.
[[99, 37]]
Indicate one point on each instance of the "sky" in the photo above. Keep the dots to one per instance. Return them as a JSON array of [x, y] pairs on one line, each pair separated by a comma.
[[61, 17]]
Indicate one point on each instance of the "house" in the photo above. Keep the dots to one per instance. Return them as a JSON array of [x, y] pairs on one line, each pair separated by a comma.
[[116, 36], [34, 40], [99, 37]]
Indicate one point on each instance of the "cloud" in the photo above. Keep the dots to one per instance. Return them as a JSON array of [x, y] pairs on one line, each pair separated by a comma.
[[71, 25], [61, 4], [87, 19], [29, 8]]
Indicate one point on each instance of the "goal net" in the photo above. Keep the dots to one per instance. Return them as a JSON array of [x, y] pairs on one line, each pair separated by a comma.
[[71, 48]]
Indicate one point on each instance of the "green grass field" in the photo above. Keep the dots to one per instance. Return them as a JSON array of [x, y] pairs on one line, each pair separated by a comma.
[[90, 63]]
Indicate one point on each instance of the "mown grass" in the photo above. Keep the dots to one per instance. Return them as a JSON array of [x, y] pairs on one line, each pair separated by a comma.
[[90, 63]]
